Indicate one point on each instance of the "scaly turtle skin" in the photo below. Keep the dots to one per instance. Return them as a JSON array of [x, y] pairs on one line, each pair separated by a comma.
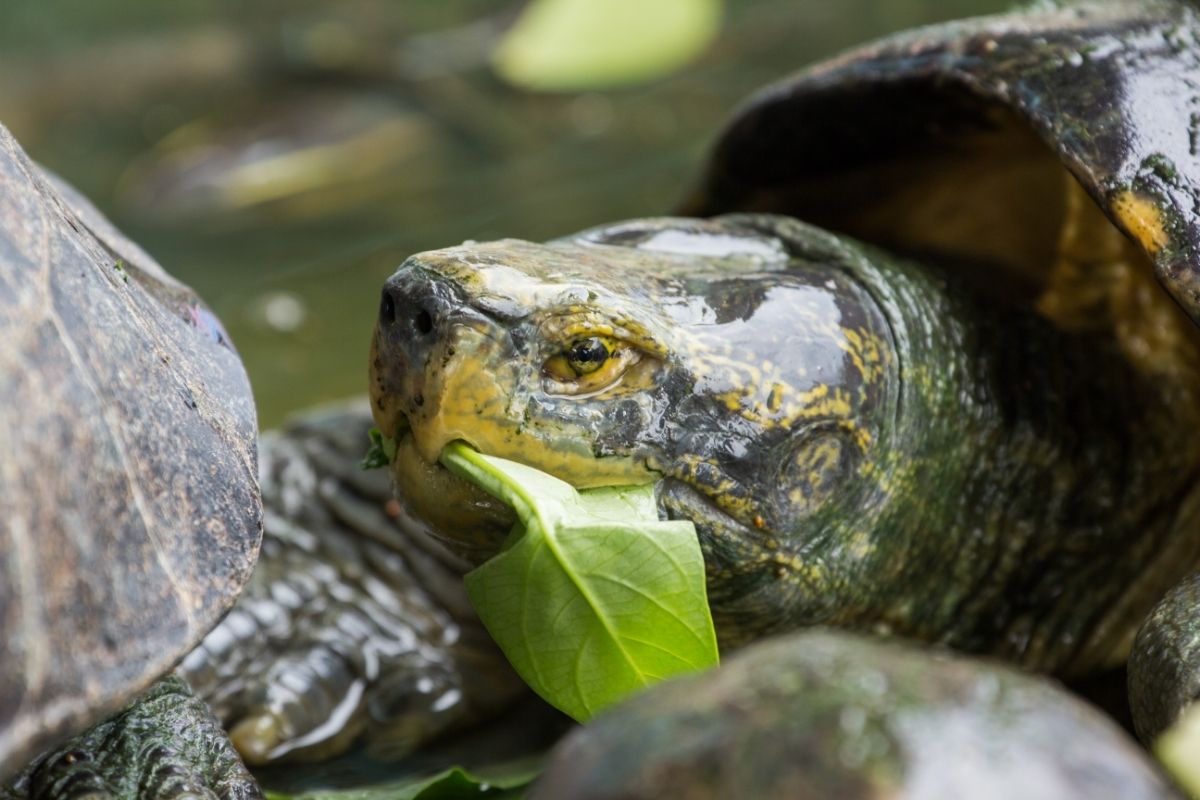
[[838, 422], [354, 626], [129, 510], [167, 744], [990, 450]]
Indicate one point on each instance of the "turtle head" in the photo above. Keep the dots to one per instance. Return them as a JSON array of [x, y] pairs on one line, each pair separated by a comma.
[[543, 354], [705, 353], [523, 351]]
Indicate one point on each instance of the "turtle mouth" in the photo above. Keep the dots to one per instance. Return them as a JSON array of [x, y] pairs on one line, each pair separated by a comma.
[[465, 518]]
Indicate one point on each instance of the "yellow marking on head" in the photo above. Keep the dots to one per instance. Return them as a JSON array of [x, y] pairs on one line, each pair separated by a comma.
[[810, 572], [775, 398], [778, 408], [851, 345], [860, 545], [865, 352], [862, 436], [1142, 219], [820, 457], [470, 398]]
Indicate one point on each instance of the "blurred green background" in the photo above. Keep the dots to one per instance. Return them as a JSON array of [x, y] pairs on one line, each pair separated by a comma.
[[283, 156]]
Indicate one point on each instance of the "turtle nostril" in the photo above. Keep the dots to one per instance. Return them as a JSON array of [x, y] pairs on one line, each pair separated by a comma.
[[424, 321], [387, 309]]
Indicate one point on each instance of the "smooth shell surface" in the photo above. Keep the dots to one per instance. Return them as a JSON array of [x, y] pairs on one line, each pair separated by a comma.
[[822, 714], [129, 510]]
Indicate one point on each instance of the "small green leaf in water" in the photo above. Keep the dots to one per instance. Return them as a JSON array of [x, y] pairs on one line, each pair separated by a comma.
[[593, 597], [449, 784], [381, 452], [573, 45]]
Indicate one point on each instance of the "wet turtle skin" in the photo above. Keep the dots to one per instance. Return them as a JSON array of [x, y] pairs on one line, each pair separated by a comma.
[[989, 450], [949, 143], [839, 424], [166, 744], [355, 627]]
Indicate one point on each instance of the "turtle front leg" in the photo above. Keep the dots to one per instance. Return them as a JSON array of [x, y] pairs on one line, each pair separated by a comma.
[[349, 628], [166, 744], [1164, 666]]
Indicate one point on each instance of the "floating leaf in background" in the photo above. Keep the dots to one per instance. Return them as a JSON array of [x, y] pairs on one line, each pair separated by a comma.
[[594, 597], [575, 45]]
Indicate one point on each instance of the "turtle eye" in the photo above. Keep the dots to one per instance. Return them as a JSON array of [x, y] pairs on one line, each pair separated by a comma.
[[588, 355], [588, 364]]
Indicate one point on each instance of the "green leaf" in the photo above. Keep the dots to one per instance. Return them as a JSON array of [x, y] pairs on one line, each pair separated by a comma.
[[593, 597], [572, 45], [449, 784], [381, 452], [1179, 751]]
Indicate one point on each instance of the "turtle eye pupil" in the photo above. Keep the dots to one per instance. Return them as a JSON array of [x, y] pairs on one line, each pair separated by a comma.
[[587, 355]]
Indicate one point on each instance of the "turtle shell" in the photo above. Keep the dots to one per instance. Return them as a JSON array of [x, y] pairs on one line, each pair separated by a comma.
[[129, 507], [951, 141]]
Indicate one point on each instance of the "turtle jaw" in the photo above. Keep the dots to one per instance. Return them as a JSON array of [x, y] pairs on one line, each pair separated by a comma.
[[461, 396], [469, 521]]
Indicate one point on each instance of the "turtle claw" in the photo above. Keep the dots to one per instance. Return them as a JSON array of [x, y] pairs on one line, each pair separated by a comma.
[[256, 737], [307, 706]]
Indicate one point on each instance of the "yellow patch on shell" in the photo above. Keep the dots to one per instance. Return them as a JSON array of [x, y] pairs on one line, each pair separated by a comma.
[[1101, 280], [1142, 219]]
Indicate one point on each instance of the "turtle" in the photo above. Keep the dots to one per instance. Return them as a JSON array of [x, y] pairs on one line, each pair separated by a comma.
[[956, 412], [136, 488], [918, 356], [130, 508]]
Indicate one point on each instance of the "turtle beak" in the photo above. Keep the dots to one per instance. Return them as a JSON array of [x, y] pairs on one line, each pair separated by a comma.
[[425, 391], [410, 313], [421, 317], [388, 413]]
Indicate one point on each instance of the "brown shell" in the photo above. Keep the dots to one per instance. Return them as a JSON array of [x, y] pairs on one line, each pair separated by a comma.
[[939, 141], [129, 507]]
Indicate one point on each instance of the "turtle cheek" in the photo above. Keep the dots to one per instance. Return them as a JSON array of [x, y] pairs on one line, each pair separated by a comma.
[[812, 474], [466, 392]]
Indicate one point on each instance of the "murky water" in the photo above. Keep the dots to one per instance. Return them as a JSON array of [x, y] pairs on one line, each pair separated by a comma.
[[284, 156]]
